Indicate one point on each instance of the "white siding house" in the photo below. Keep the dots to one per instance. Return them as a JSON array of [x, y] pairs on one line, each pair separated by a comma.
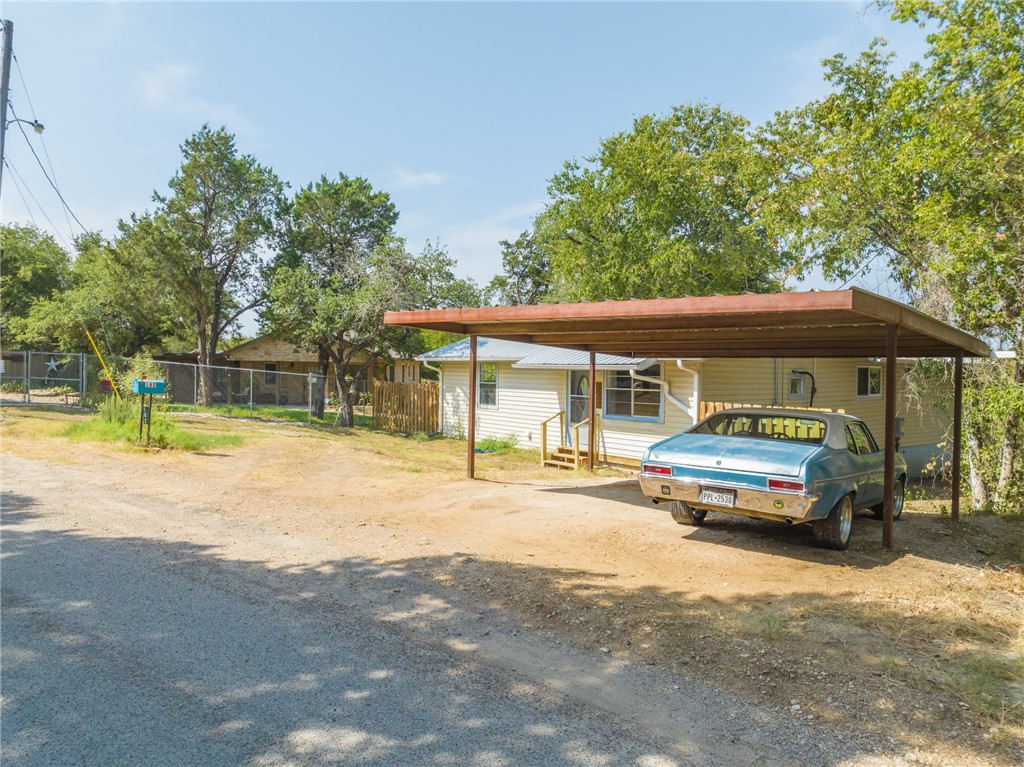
[[641, 401]]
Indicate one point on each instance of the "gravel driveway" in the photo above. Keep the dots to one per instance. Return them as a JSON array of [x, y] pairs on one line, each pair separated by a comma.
[[140, 631]]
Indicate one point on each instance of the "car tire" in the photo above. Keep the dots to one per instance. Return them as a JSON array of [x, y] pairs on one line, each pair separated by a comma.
[[685, 514], [898, 498], [833, 532]]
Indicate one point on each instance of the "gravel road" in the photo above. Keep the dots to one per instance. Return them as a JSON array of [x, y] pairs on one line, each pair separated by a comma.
[[138, 631]]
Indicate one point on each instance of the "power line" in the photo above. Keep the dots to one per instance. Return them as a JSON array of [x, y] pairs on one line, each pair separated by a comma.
[[42, 210], [21, 194], [43, 169], [57, 267], [42, 138]]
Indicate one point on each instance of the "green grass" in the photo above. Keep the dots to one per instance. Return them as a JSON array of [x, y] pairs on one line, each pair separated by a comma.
[[119, 422], [497, 446], [264, 413]]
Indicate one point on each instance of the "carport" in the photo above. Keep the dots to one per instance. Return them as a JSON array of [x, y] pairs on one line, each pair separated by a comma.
[[842, 323]]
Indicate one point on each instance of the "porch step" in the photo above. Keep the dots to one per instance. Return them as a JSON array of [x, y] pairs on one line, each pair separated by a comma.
[[564, 458]]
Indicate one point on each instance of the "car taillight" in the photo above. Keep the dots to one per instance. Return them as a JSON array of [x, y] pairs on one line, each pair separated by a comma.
[[785, 484], [651, 468]]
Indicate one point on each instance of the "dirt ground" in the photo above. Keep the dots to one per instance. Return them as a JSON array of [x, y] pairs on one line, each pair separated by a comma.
[[920, 651]]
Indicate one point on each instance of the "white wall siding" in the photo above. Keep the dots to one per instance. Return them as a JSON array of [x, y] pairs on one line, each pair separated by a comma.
[[766, 382], [525, 398], [528, 396], [629, 439]]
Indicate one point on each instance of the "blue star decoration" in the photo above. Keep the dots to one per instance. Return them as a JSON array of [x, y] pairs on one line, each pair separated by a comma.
[[51, 366]]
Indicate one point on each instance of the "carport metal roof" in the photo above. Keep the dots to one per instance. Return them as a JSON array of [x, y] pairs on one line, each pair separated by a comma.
[[844, 323], [841, 323]]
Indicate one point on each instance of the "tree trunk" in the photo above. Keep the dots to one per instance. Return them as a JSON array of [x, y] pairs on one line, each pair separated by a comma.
[[1011, 435], [346, 416], [205, 394], [979, 490], [320, 385], [1007, 455]]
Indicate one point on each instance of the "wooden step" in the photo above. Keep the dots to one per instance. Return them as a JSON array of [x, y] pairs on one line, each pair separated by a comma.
[[565, 458]]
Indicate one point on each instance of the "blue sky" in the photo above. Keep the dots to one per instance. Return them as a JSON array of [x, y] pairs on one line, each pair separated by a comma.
[[462, 111]]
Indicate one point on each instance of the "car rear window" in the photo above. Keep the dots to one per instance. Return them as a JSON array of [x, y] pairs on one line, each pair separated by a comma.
[[763, 426]]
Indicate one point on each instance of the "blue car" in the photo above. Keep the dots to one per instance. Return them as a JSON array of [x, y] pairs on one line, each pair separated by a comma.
[[792, 466]]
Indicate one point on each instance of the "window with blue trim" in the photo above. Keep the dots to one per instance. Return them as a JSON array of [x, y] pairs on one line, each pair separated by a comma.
[[628, 397]]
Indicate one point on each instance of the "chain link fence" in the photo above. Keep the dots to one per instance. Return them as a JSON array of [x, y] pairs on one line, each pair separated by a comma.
[[28, 377]]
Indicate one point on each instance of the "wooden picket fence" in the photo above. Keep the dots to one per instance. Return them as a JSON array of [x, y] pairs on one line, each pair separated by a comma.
[[708, 408], [406, 407]]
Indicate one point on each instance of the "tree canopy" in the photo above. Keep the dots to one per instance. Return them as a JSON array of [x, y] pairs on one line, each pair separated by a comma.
[[211, 235], [661, 210], [921, 171], [34, 267]]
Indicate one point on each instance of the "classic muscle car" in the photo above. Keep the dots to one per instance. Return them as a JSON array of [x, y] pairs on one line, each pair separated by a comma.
[[793, 466]]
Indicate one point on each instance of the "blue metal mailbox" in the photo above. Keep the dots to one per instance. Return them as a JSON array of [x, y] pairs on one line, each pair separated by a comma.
[[147, 386]]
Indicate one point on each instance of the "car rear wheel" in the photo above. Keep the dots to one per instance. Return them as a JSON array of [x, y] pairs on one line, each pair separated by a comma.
[[833, 532], [898, 496], [684, 514]]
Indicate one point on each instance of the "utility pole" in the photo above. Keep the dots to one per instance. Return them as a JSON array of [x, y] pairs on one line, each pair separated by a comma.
[[5, 81]]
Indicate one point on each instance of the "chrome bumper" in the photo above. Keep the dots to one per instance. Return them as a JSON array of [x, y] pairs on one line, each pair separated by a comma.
[[751, 502]]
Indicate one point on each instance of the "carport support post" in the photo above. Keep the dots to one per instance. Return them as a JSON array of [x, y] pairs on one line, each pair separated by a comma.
[[471, 428], [958, 417], [890, 434], [592, 430]]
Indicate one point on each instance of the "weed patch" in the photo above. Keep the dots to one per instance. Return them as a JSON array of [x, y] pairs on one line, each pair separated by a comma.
[[118, 421]]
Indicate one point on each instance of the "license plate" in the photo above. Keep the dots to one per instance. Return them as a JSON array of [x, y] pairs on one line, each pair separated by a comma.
[[717, 497]]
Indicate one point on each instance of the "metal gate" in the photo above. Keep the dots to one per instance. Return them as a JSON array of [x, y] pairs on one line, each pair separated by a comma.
[[42, 377]]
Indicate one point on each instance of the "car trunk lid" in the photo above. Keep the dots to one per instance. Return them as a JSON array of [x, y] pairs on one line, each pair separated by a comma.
[[743, 454]]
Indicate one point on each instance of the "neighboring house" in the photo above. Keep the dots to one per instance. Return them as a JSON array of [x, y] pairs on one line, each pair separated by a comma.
[[276, 356], [641, 401]]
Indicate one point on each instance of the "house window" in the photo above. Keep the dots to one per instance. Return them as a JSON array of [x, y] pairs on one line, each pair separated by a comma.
[[487, 384], [628, 397], [270, 373], [796, 385], [869, 381]]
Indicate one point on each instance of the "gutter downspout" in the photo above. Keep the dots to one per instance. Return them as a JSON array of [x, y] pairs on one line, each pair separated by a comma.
[[696, 387], [440, 394], [665, 390]]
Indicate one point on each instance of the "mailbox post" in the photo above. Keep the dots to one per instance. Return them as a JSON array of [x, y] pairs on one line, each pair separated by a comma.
[[142, 387]]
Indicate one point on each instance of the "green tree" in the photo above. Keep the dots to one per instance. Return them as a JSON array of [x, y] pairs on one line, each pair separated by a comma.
[[332, 229], [526, 273], [661, 210], [32, 266], [439, 288], [341, 312], [921, 170], [210, 236], [113, 290]]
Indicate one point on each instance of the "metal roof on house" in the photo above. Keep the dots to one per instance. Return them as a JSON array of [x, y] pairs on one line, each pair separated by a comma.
[[529, 356], [487, 350], [545, 357]]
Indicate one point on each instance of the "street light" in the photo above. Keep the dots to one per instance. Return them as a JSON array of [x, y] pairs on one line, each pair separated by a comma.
[[37, 126]]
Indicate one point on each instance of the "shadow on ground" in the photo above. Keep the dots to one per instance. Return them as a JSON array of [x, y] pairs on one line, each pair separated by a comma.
[[72, 616]]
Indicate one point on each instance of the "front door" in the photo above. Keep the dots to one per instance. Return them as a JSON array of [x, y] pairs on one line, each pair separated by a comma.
[[579, 403]]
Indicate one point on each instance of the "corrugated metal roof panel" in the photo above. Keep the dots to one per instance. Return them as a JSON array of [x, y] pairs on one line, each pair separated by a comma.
[[554, 357], [487, 350], [529, 355]]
